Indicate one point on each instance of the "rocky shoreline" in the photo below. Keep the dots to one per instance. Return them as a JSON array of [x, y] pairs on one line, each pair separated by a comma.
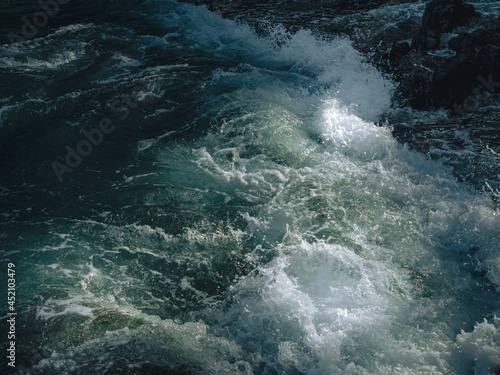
[[443, 54], [436, 71], [450, 58]]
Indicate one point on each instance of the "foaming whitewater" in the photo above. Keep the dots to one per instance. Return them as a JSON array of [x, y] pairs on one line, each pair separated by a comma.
[[378, 254], [270, 228], [334, 64]]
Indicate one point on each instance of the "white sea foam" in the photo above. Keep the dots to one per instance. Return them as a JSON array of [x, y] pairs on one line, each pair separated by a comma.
[[483, 345], [333, 63], [59, 307], [363, 227], [23, 60], [376, 246], [362, 257]]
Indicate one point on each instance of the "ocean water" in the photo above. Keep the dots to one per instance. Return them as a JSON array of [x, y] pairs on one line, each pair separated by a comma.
[[182, 195]]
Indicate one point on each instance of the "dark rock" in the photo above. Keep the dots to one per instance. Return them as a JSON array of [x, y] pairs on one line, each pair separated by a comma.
[[414, 88], [441, 16], [387, 37], [488, 60], [445, 15], [380, 47], [432, 81], [398, 50], [402, 30], [465, 78], [427, 38], [426, 80], [415, 72], [452, 81], [469, 43]]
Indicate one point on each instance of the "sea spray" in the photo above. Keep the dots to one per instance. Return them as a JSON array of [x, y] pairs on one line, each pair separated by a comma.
[[250, 217]]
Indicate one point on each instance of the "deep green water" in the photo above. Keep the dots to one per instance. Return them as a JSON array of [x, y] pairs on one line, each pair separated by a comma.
[[243, 211]]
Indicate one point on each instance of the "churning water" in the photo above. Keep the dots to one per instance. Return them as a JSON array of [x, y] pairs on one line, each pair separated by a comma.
[[242, 214]]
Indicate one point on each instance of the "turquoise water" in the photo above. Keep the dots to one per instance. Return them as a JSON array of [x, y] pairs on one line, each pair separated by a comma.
[[245, 212]]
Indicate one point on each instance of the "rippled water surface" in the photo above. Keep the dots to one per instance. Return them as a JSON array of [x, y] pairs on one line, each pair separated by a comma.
[[182, 195]]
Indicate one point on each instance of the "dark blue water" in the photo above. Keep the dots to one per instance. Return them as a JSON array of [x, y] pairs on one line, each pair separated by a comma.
[[182, 195]]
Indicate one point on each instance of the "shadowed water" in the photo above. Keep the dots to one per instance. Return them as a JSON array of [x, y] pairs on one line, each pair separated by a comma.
[[242, 213]]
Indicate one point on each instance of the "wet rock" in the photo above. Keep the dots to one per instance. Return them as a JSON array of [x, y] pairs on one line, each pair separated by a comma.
[[429, 77], [427, 38], [441, 16], [452, 81], [434, 80], [414, 71], [488, 60], [414, 87], [386, 38], [398, 50], [459, 79], [469, 43], [446, 15], [389, 43]]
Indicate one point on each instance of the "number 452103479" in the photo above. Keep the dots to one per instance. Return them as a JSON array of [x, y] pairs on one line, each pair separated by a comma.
[[11, 297]]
